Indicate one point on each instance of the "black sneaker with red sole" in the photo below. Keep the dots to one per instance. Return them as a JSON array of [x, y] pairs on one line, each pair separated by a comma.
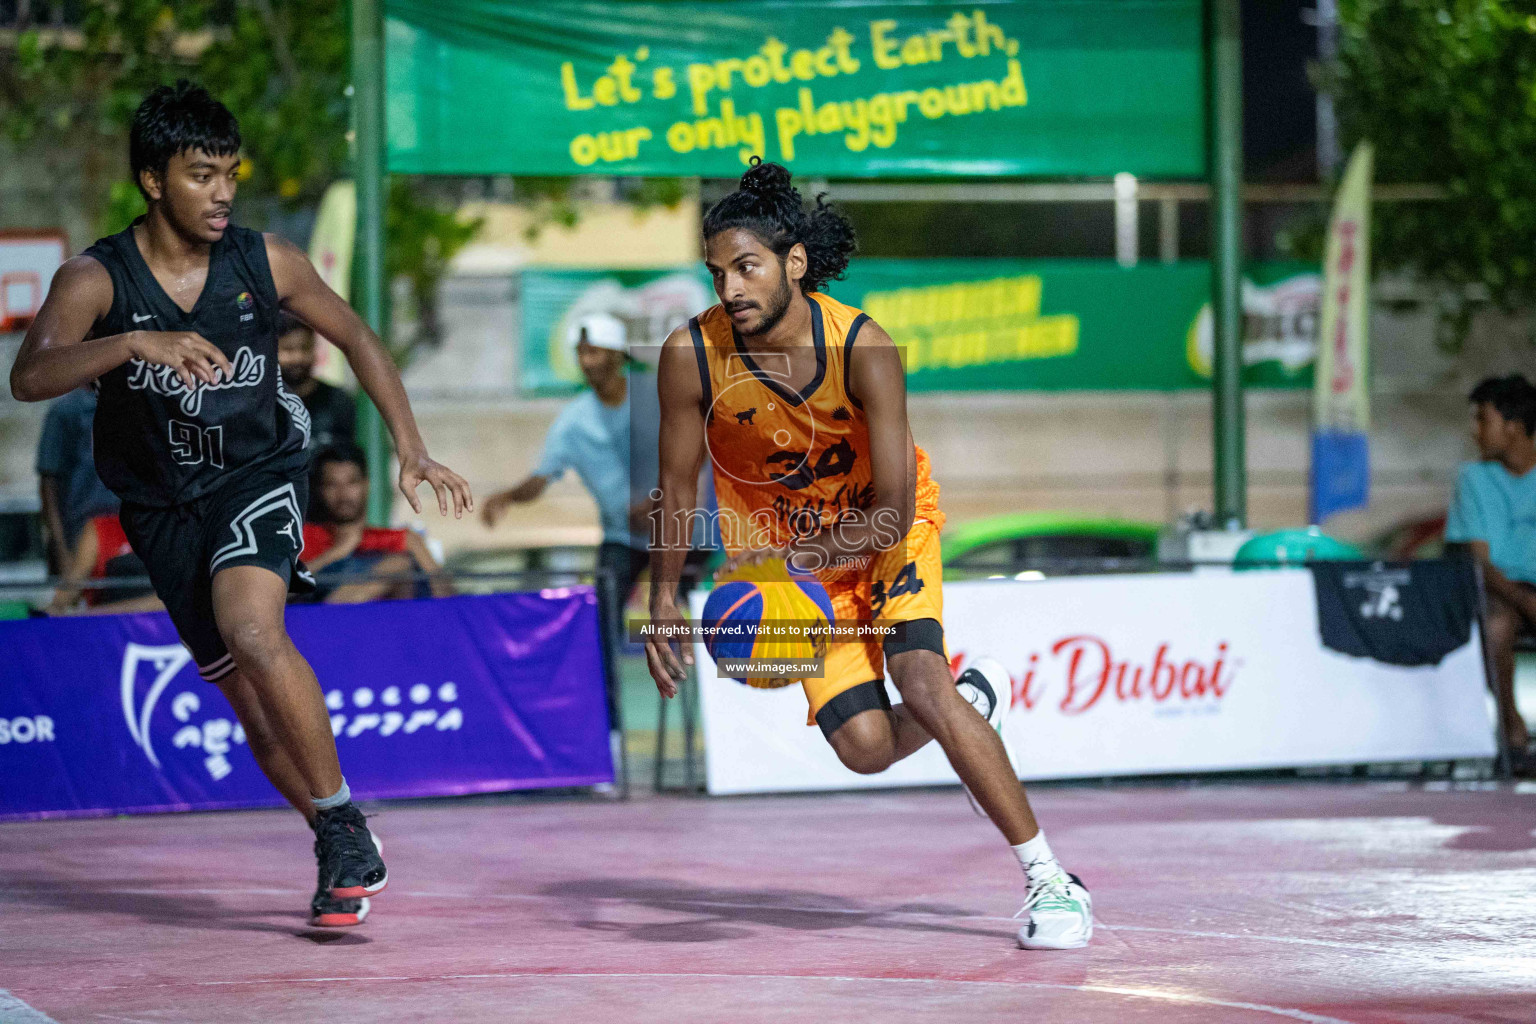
[[349, 855], [326, 911]]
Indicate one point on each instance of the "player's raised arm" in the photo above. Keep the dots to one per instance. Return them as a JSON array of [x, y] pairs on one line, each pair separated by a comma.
[[682, 453], [55, 358], [309, 298], [878, 380]]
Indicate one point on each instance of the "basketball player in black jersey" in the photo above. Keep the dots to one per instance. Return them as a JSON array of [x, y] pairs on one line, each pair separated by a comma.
[[176, 319]]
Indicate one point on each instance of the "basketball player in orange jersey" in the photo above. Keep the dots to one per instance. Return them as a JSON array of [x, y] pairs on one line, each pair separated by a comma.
[[800, 402]]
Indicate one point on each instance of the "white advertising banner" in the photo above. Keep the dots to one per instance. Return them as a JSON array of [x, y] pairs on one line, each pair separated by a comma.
[[1130, 675]]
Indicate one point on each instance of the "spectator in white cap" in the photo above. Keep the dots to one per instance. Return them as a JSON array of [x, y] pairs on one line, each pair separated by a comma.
[[592, 435], [599, 330]]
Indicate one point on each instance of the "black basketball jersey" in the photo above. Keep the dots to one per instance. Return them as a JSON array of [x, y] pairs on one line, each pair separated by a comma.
[[158, 443]]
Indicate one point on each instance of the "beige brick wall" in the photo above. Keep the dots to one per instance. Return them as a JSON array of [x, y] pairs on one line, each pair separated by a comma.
[[1141, 455], [1131, 454]]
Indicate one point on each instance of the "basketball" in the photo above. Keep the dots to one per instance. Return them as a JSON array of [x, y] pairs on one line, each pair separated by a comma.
[[737, 610]]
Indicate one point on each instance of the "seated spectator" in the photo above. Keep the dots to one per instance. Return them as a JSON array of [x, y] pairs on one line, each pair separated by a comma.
[[68, 488], [339, 543], [1494, 513], [102, 553], [332, 412]]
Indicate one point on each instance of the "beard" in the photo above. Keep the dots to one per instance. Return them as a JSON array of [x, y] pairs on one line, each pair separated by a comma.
[[776, 308]]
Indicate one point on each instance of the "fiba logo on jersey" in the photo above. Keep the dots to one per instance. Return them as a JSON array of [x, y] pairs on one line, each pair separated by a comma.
[[243, 301]]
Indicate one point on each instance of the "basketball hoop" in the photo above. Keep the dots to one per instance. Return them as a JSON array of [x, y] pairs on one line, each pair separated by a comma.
[[28, 260]]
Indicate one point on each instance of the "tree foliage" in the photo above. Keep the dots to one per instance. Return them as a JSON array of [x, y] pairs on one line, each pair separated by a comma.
[[1446, 89], [422, 235], [280, 65]]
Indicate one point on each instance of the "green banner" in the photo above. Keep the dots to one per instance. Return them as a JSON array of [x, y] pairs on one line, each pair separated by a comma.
[[841, 88], [979, 325]]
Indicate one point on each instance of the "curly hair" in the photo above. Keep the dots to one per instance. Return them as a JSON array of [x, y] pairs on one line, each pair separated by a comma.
[[174, 119], [767, 205]]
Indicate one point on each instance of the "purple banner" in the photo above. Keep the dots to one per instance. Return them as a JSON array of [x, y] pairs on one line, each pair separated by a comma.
[[427, 698]]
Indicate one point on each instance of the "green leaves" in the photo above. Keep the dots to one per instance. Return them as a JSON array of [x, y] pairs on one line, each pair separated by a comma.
[[280, 65], [1447, 91], [421, 237], [77, 89]]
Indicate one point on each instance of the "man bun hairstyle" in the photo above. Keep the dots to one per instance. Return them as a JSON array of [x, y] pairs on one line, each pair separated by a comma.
[[767, 205], [1513, 396], [174, 119]]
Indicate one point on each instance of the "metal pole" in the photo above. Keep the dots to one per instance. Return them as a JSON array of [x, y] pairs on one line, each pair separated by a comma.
[[610, 618], [1168, 230], [1127, 222], [369, 295], [1327, 122], [1226, 117]]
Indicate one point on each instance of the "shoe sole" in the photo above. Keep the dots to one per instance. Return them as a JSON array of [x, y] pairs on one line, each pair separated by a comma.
[[1065, 945], [354, 892], [340, 920]]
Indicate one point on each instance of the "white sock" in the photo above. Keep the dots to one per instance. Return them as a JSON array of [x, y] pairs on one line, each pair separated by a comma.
[[341, 797], [1037, 860]]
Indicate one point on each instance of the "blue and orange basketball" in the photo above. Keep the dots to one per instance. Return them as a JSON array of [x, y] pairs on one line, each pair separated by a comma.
[[759, 594]]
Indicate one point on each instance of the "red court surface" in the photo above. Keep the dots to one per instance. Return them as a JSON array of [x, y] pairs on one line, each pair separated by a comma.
[[1308, 902]]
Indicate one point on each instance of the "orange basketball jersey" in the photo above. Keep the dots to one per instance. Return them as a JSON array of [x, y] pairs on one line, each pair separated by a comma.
[[788, 463]]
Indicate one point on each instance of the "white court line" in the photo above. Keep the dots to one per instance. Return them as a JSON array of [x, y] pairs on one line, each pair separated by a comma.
[[1239, 936], [1292, 940], [1135, 993], [14, 1011]]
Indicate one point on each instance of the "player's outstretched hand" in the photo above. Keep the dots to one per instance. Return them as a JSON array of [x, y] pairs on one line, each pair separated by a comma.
[[193, 356], [418, 469], [666, 657]]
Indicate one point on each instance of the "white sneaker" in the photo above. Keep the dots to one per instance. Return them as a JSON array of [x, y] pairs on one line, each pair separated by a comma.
[[986, 687], [1060, 915]]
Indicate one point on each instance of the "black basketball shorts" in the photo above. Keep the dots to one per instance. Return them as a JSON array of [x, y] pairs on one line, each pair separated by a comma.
[[257, 518]]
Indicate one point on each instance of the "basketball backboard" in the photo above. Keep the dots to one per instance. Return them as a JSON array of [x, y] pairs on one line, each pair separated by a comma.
[[27, 262]]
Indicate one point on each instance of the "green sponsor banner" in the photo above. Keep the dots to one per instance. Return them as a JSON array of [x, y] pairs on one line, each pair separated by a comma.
[[842, 88], [979, 325]]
